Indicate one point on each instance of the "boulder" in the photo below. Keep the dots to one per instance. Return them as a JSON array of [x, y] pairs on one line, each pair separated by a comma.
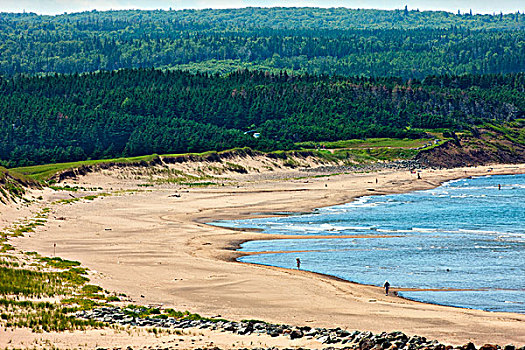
[[296, 334], [366, 344], [469, 346], [489, 347]]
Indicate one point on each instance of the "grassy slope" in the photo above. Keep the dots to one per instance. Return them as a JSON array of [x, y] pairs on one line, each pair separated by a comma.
[[364, 150], [44, 172], [367, 150], [13, 185]]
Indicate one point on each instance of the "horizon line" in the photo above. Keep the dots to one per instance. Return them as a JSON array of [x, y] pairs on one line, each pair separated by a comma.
[[171, 9]]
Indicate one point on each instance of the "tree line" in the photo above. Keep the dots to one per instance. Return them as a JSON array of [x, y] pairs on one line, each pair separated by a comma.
[[58, 118]]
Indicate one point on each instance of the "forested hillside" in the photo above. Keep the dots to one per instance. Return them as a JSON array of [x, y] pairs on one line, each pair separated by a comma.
[[295, 74], [409, 44], [133, 112]]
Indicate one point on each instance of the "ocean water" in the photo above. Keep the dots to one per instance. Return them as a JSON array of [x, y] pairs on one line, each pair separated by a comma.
[[461, 244]]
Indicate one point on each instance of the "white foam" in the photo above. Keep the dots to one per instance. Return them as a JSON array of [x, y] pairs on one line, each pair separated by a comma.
[[453, 181], [478, 231], [422, 229], [323, 228]]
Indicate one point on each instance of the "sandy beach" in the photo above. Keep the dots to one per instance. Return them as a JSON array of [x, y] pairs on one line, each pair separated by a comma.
[[156, 247]]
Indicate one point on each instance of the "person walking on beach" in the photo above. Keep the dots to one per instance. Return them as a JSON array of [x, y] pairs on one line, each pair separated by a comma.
[[387, 287], [298, 261]]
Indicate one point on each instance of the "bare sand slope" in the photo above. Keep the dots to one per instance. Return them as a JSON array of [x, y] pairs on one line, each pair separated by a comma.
[[158, 249]]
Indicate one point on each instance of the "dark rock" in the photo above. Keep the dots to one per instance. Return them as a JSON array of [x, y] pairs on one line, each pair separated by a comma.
[[296, 334], [366, 344], [469, 346], [414, 340], [351, 340], [489, 347], [229, 327], [246, 330]]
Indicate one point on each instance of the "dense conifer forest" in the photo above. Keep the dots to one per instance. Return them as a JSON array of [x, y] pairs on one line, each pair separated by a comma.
[[60, 118], [339, 41], [124, 83]]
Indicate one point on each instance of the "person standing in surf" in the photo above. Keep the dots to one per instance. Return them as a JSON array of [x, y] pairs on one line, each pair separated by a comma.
[[298, 261], [387, 287]]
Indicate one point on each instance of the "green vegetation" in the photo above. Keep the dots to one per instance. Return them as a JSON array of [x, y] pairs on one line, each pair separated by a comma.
[[198, 184], [367, 143], [143, 312], [136, 112], [44, 172], [513, 132], [455, 71], [13, 185], [64, 188], [32, 283], [374, 149], [77, 199], [59, 263], [19, 228], [23, 284], [41, 316], [368, 155], [410, 44]]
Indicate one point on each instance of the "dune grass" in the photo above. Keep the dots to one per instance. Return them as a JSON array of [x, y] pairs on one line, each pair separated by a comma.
[[44, 172], [41, 316], [32, 283]]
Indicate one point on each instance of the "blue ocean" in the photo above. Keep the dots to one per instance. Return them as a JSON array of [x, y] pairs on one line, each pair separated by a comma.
[[461, 244]]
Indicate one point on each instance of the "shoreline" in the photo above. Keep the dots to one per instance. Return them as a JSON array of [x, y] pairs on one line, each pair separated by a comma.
[[240, 254], [159, 251]]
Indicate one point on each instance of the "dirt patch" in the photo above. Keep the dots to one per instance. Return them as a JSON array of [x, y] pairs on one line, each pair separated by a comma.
[[488, 147]]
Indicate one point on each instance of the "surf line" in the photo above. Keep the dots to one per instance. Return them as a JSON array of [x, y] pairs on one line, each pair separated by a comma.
[[269, 237]]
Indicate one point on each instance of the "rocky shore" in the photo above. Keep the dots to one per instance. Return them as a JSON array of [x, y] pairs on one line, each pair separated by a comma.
[[407, 164], [326, 337]]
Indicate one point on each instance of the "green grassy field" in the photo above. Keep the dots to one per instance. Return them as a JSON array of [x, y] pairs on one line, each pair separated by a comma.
[[367, 143], [374, 149]]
